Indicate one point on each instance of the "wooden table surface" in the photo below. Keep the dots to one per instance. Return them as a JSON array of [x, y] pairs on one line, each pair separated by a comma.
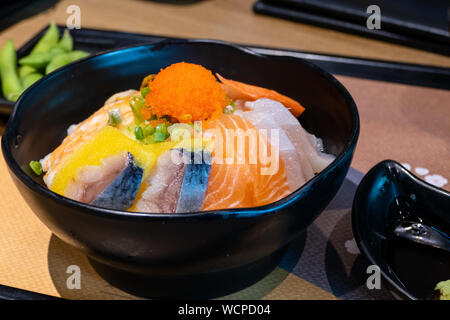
[[231, 20]]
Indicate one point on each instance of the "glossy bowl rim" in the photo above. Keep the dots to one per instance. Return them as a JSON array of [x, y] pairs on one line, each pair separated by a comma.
[[222, 213]]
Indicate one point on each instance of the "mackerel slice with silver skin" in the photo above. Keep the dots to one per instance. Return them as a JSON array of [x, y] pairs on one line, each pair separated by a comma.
[[121, 192], [195, 182], [163, 184], [177, 183]]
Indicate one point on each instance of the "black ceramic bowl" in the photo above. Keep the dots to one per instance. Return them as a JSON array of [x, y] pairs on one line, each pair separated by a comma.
[[389, 193], [177, 244]]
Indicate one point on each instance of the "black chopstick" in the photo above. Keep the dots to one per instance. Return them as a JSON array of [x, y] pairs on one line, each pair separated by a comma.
[[10, 293]]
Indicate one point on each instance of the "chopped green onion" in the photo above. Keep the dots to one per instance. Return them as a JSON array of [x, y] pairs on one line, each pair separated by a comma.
[[159, 136], [180, 131], [140, 100], [139, 133], [145, 91], [162, 127], [147, 80], [136, 104], [230, 109], [149, 130], [36, 167], [179, 134], [114, 118], [148, 140]]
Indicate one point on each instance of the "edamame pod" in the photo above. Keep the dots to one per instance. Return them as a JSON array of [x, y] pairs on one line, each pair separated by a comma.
[[66, 41], [25, 70], [63, 59], [57, 62], [11, 85], [31, 78], [48, 40], [77, 55], [41, 59]]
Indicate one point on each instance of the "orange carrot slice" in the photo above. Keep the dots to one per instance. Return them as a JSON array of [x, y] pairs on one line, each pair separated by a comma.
[[241, 91]]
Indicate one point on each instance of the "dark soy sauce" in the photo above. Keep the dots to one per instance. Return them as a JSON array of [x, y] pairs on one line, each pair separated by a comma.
[[418, 266]]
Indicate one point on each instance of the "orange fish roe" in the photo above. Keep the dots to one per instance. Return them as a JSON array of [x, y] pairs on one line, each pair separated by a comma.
[[186, 92]]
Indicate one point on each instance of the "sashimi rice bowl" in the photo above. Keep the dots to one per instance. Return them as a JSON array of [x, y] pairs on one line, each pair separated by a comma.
[[186, 141], [183, 157]]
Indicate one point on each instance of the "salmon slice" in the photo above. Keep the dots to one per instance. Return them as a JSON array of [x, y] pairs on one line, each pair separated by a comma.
[[287, 151], [238, 179], [87, 129]]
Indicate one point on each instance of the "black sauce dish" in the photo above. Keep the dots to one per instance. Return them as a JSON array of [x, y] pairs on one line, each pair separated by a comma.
[[389, 194], [177, 244]]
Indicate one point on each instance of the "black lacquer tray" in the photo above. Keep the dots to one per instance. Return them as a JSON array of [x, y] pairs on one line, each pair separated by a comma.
[[94, 41]]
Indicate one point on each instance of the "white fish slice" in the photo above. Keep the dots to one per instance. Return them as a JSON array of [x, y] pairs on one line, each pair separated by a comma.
[[312, 160]]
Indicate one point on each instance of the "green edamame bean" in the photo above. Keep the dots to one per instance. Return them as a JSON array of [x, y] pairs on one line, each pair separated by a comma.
[[61, 60], [48, 40], [57, 62], [36, 60], [11, 85], [41, 59], [25, 70], [66, 41], [30, 78], [77, 55]]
